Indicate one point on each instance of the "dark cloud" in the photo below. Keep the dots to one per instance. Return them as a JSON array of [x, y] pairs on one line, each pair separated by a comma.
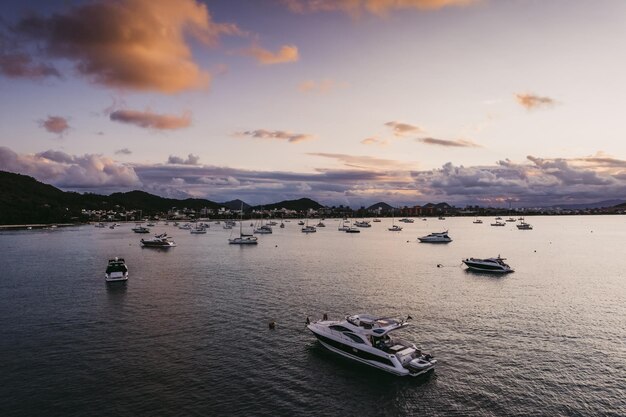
[[150, 120], [276, 134], [55, 124], [191, 160], [123, 151], [457, 143], [131, 44], [22, 65]]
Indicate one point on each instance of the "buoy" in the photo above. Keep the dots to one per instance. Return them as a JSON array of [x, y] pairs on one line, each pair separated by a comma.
[[308, 321], [276, 246], [439, 266], [325, 317], [272, 325]]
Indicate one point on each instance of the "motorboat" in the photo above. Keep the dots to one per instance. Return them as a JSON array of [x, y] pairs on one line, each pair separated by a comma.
[[441, 237], [199, 230], [376, 220], [406, 220], [367, 339], [343, 227], [99, 225], [186, 226], [363, 223], [151, 224], [395, 228], [159, 241], [477, 221], [282, 225], [352, 230], [511, 220], [498, 218], [309, 229], [495, 265], [140, 229], [441, 218], [498, 223], [116, 271], [272, 223], [301, 223], [524, 226], [321, 224]]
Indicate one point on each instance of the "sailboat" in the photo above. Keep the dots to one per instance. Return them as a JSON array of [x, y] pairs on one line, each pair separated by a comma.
[[243, 239], [394, 227], [308, 229]]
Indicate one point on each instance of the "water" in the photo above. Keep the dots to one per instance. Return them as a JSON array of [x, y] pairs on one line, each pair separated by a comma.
[[188, 334]]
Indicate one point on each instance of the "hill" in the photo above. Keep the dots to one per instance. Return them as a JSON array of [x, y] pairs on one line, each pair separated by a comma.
[[236, 205], [298, 205], [24, 200], [382, 206]]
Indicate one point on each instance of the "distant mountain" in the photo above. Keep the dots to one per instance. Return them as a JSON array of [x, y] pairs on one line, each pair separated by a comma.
[[382, 206], [299, 205], [598, 204], [141, 200], [236, 205], [440, 206]]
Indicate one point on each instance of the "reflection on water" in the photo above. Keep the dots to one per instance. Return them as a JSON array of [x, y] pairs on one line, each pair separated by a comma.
[[190, 326]]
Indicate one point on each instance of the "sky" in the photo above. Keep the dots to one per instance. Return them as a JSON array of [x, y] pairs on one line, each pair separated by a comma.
[[489, 102]]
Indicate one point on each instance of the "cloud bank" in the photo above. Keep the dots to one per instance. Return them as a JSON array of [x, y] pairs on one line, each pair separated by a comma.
[[88, 171], [457, 143], [177, 160]]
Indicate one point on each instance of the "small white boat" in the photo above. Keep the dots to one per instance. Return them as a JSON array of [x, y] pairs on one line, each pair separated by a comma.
[[477, 221], [116, 271], [309, 229], [366, 339], [99, 225], [352, 230], [523, 225], [200, 230], [441, 237], [498, 223], [395, 228], [263, 230], [441, 218], [243, 239], [494, 265], [406, 220], [376, 220], [511, 220], [363, 223], [140, 229], [321, 224], [301, 223]]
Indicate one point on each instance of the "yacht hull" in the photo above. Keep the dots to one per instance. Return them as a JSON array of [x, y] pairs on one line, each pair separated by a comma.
[[380, 361]]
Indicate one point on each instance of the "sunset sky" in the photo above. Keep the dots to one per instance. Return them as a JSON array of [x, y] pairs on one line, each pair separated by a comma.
[[346, 101]]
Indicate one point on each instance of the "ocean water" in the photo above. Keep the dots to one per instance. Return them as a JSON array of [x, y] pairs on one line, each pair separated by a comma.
[[188, 334]]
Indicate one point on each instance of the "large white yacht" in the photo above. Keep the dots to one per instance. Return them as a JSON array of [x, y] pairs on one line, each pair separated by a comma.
[[366, 339], [117, 271], [495, 265], [159, 241], [441, 237]]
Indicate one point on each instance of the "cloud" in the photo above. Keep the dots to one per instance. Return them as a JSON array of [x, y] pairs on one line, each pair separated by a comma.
[[150, 120], [458, 143], [55, 124], [403, 129], [532, 101], [375, 141], [191, 160], [538, 182], [323, 86], [123, 151], [276, 134], [362, 161], [131, 44], [375, 7], [21, 65], [286, 54], [89, 171]]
